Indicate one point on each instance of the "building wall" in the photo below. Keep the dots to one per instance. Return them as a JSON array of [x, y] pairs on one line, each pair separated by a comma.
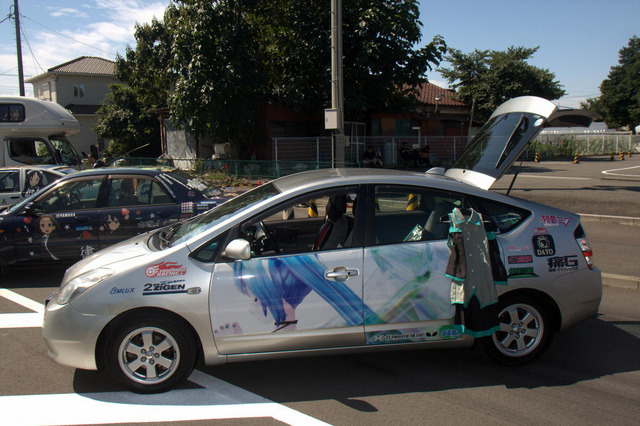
[[82, 89]]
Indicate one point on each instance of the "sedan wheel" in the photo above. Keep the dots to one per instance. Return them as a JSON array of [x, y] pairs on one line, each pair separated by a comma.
[[524, 332], [151, 354]]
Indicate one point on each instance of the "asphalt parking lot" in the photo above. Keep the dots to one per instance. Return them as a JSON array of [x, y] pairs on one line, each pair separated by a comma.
[[605, 194]]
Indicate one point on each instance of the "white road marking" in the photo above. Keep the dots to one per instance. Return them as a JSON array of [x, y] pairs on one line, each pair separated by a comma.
[[552, 177], [611, 171], [218, 400], [20, 320], [21, 300]]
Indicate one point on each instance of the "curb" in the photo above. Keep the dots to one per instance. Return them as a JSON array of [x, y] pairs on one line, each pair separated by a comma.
[[621, 281], [622, 220]]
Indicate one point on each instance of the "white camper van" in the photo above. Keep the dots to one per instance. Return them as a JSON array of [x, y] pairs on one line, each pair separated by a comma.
[[35, 132]]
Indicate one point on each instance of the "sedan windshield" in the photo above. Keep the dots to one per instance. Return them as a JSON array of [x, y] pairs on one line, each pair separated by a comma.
[[187, 229]]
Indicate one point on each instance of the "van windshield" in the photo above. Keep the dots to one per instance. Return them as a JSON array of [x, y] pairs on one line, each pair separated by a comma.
[[65, 152]]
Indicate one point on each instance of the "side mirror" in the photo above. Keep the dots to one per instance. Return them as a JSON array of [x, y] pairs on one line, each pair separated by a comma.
[[238, 249]]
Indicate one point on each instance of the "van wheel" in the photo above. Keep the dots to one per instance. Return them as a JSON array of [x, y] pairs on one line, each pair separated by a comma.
[[150, 354], [525, 332]]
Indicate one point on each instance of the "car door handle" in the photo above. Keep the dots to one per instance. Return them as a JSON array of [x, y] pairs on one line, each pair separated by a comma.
[[340, 273], [14, 197], [164, 214], [82, 219]]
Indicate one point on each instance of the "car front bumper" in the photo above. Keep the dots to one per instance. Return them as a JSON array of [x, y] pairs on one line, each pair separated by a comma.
[[71, 336]]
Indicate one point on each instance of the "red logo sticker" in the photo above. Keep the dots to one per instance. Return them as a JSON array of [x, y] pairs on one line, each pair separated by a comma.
[[165, 269]]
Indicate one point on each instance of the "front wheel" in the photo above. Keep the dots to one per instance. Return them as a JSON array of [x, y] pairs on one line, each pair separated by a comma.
[[150, 354], [525, 332]]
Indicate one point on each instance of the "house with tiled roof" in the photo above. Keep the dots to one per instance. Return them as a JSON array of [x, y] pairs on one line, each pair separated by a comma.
[[79, 85]]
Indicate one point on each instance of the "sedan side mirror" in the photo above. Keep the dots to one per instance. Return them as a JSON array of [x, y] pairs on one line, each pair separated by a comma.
[[238, 249]]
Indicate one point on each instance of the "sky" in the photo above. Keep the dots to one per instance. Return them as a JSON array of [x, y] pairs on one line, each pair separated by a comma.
[[578, 40]]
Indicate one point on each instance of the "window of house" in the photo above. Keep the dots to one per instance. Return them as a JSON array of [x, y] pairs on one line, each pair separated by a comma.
[[78, 90]]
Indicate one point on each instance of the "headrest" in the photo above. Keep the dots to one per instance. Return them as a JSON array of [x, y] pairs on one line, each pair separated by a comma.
[[336, 207]]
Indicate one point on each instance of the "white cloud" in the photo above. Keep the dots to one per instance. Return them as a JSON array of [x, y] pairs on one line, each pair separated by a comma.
[[66, 11]]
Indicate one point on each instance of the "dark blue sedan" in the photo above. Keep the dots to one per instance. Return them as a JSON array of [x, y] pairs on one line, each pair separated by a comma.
[[92, 209]]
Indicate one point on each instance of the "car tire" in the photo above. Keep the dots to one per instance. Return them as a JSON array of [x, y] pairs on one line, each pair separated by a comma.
[[150, 353], [525, 332]]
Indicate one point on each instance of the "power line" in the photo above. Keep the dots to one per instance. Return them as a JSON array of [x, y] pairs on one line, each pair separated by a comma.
[[66, 36]]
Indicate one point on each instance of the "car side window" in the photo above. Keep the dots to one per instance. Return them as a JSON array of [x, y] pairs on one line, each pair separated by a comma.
[[405, 214], [136, 191], [30, 151], [505, 217], [72, 195], [10, 181], [319, 222]]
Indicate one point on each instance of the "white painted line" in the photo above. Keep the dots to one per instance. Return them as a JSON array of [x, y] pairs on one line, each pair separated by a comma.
[[552, 177], [20, 320], [21, 300], [611, 172], [218, 400]]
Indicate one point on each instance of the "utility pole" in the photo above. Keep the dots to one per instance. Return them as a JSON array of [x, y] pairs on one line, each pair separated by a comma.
[[16, 16], [337, 94]]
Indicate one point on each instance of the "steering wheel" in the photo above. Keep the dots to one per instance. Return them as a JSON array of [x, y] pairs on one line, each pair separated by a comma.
[[268, 237]]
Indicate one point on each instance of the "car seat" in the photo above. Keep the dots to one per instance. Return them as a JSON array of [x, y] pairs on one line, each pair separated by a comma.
[[335, 230]]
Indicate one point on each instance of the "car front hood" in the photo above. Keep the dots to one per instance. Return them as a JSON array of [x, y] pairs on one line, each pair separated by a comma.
[[123, 251]]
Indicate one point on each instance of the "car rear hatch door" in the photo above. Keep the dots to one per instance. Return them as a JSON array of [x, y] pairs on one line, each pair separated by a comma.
[[506, 134]]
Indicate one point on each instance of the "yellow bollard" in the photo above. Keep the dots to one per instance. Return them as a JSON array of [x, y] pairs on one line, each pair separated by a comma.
[[621, 155], [537, 158], [575, 160], [313, 209], [412, 202]]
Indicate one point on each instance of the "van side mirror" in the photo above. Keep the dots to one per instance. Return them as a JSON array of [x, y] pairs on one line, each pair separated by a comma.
[[238, 249]]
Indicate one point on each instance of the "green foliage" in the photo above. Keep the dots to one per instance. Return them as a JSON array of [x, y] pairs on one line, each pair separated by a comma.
[[128, 123], [491, 77], [216, 64], [619, 101]]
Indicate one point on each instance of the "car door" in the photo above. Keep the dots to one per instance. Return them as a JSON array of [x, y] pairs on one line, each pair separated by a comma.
[[405, 258], [293, 293], [135, 204], [60, 224]]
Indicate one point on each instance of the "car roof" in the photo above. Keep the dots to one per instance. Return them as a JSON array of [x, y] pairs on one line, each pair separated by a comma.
[[54, 168], [353, 176], [148, 171]]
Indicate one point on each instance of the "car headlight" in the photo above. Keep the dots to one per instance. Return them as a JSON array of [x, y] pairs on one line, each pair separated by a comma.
[[79, 284]]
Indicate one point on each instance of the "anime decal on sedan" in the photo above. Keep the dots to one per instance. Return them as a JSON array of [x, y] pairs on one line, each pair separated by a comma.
[[402, 287], [47, 225]]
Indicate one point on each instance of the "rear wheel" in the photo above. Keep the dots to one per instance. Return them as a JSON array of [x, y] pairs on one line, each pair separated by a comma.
[[150, 353], [525, 332]]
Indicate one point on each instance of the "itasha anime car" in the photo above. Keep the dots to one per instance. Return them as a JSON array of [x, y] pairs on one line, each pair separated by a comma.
[[328, 261]]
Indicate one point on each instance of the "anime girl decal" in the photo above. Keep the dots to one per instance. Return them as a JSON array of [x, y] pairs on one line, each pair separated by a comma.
[[279, 285], [113, 222], [47, 225], [33, 183]]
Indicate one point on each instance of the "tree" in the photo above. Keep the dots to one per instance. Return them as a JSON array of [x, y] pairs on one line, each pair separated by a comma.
[[217, 63], [619, 100], [487, 78], [127, 116]]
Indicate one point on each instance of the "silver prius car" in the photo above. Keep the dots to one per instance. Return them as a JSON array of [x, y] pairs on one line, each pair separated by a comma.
[[328, 261]]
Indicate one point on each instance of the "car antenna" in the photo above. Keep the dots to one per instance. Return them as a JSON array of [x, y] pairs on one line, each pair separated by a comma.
[[126, 153], [515, 175]]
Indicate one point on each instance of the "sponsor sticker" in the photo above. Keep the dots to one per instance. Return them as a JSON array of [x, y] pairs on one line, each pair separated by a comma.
[[540, 231], [523, 247], [563, 263], [551, 220], [522, 272], [116, 290], [164, 287], [543, 245], [524, 258], [165, 269]]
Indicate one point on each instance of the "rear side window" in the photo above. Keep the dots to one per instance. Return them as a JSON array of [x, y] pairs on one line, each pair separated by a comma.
[[11, 113], [504, 216]]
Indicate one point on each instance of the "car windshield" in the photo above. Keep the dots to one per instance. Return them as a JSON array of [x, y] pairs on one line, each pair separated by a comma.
[[187, 229], [192, 182]]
